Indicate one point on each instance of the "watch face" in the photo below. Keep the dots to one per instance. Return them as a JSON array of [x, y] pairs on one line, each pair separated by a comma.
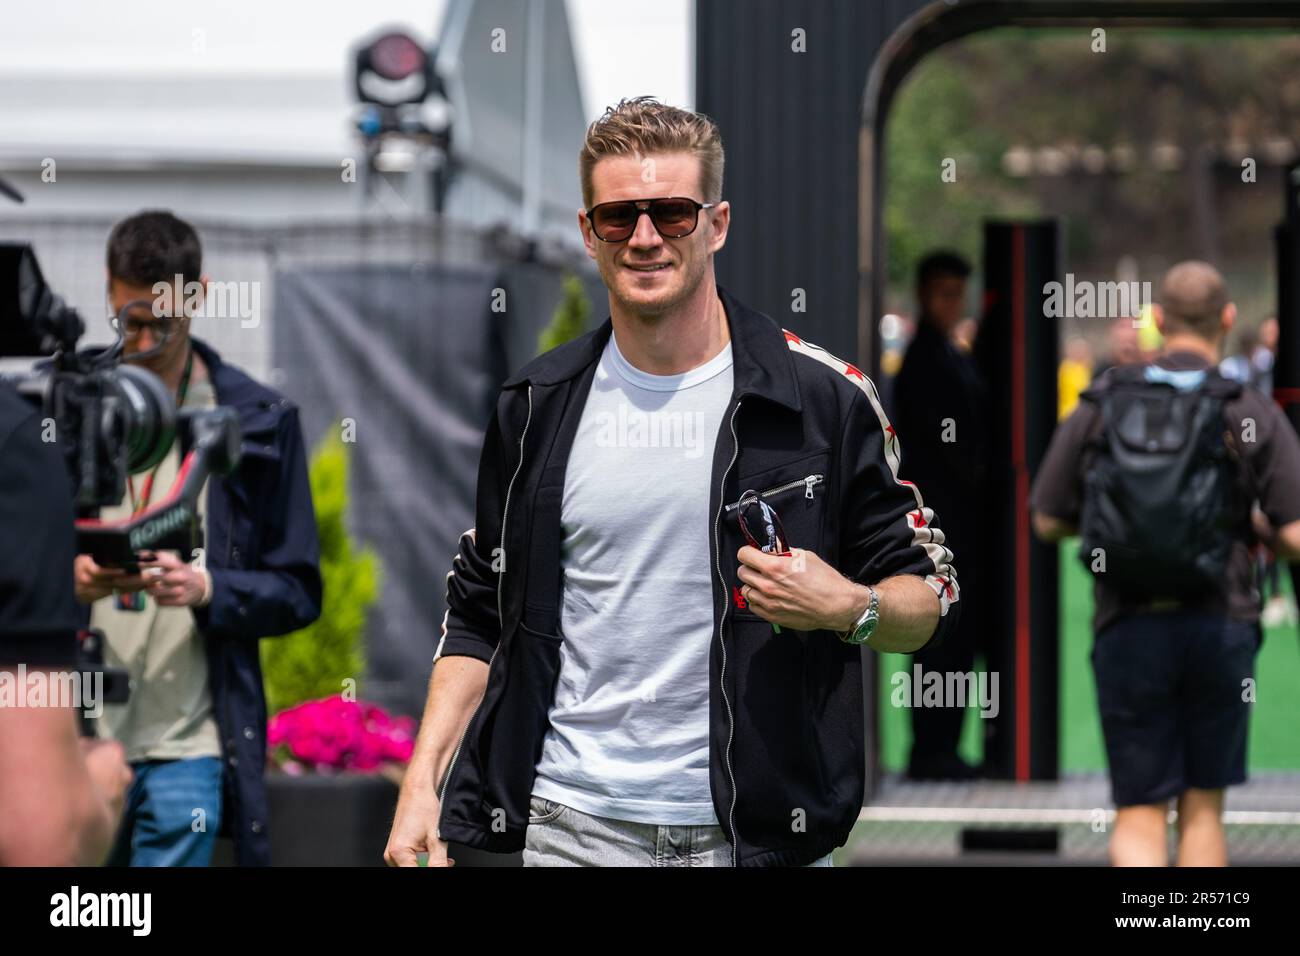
[[861, 635], [866, 625], [872, 618]]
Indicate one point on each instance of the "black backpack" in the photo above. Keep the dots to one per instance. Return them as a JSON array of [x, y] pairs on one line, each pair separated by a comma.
[[1161, 498]]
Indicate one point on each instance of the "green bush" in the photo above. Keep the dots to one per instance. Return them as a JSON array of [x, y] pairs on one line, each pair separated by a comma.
[[313, 662], [570, 318]]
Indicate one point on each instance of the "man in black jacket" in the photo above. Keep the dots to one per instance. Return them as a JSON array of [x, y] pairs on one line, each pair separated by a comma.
[[188, 630], [941, 406], [624, 677]]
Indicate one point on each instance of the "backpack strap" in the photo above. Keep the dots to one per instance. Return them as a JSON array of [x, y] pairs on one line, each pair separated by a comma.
[[1220, 386], [1095, 394], [1115, 375], [1230, 440]]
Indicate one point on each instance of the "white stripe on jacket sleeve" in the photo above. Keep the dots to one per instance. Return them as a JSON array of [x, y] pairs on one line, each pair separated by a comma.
[[943, 580]]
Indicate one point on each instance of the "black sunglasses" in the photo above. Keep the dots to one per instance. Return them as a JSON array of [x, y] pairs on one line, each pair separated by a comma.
[[674, 216]]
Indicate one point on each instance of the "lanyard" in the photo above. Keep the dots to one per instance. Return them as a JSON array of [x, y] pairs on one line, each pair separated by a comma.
[[147, 491]]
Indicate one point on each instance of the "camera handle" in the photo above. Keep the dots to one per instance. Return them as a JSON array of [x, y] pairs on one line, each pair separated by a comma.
[[213, 438]]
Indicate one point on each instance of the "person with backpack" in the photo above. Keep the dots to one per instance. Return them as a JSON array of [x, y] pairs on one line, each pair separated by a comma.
[[1169, 472]]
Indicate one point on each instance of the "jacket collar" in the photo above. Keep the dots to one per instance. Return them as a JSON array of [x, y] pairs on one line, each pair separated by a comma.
[[231, 388], [760, 353], [259, 408], [1182, 359]]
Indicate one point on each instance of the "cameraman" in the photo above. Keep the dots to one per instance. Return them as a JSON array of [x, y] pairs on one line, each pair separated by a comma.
[[60, 796], [187, 632]]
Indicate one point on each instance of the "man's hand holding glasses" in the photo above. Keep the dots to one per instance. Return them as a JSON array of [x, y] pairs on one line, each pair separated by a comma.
[[791, 587]]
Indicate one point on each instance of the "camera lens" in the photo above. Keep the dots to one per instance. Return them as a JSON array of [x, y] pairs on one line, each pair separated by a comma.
[[144, 415]]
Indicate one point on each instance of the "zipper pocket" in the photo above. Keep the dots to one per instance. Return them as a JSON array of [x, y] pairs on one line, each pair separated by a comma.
[[808, 482]]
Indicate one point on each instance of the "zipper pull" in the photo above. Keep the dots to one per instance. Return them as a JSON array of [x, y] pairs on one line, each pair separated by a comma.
[[808, 486]]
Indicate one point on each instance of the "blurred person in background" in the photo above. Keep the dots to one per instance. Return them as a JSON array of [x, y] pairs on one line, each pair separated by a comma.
[[1122, 346], [1279, 609], [1174, 496], [1073, 375], [942, 415], [1240, 366], [1252, 365], [895, 332], [1265, 354], [194, 728], [1150, 338]]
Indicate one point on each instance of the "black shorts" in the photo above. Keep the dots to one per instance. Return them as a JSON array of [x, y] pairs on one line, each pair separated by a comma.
[[1170, 688]]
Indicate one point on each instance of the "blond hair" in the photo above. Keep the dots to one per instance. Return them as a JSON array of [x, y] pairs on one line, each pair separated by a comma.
[[643, 125]]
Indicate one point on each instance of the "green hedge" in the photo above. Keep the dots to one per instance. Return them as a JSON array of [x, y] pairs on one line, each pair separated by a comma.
[[314, 662]]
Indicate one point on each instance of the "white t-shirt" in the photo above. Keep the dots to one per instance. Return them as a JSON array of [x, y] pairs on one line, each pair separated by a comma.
[[629, 734]]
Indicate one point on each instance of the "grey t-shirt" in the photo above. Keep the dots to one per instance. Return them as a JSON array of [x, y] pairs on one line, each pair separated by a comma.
[[629, 726]]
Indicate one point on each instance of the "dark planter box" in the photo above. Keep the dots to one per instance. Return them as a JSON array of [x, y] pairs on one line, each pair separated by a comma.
[[341, 820], [337, 820]]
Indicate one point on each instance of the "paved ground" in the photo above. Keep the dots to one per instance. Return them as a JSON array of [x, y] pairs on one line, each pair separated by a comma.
[[1049, 823]]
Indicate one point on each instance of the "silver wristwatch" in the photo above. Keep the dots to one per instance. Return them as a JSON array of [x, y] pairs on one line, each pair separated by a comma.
[[865, 625]]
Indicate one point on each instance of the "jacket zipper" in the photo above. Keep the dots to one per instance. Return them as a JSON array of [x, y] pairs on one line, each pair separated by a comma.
[[806, 483], [505, 511], [726, 604]]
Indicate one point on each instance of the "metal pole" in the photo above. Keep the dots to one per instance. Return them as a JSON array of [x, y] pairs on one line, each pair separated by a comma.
[[534, 97]]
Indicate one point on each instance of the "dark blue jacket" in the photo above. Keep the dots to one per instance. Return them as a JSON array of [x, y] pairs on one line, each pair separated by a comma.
[[264, 558]]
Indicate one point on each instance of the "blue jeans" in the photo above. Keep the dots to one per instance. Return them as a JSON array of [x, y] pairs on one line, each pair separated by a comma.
[[172, 814], [559, 835]]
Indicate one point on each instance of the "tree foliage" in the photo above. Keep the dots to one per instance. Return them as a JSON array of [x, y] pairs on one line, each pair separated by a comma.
[[570, 318], [315, 661]]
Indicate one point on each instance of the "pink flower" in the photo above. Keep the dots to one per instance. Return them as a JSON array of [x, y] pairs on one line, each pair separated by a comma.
[[337, 734]]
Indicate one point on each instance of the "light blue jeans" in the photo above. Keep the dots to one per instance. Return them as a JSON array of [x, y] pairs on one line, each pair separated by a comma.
[[172, 814], [559, 835]]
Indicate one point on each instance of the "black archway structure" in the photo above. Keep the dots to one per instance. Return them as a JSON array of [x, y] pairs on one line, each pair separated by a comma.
[[785, 79], [933, 25]]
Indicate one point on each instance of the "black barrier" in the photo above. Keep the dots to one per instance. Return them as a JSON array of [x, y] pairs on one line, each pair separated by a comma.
[[413, 357], [1017, 352], [1286, 363]]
